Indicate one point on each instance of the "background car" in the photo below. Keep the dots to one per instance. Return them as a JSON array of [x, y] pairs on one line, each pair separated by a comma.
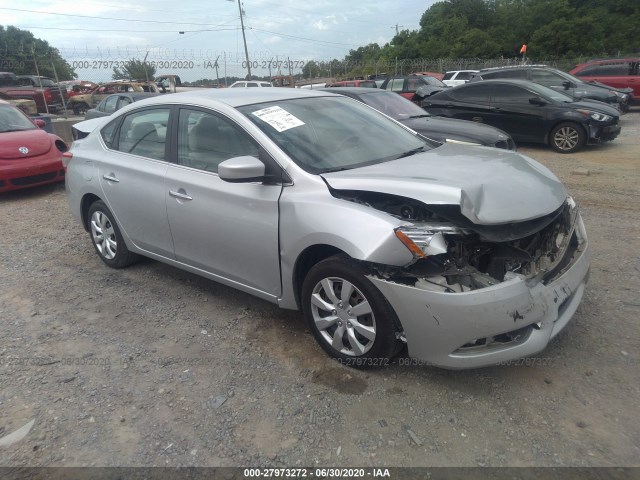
[[457, 77], [27, 106], [557, 80], [620, 73], [444, 130], [29, 156], [413, 87], [80, 104], [529, 112], [354, 83], [114, 103], [248, 84], [316, 202]]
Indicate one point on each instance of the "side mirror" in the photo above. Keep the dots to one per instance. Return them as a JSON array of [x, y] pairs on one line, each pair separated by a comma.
[[39, 123], [541, 102], [242, 169], [567, 85]]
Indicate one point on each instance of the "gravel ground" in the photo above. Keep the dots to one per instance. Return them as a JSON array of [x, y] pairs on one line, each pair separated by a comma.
[[152, 366]]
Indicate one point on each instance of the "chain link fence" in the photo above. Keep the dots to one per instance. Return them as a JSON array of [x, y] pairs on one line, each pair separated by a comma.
[[210, 67]]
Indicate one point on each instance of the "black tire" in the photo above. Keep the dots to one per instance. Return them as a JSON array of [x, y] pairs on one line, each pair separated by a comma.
[[356, 349], [567, 137], [106, 237], [80, 108]]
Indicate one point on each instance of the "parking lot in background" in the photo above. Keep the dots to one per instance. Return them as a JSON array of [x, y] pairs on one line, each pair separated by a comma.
[[155, 366]]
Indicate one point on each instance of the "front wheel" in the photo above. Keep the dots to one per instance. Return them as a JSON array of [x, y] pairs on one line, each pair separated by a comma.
[[348, 315], [106, 237], [567, 137]]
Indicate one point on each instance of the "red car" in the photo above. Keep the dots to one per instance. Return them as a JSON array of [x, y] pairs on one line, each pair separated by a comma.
[[29, 156], [620, 73]]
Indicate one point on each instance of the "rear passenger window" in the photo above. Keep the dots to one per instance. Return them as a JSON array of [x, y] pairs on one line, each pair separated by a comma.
[[510, 94], [448, 75], [473, 93], [517, 74], [144, 133], [205, 140], [395, 84]]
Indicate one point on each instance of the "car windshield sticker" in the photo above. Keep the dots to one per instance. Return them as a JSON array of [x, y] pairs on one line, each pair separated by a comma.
[[278, 118]]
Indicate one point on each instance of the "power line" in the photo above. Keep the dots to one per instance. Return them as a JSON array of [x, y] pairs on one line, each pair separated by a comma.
[[105, 18], [304, 38], [125, 30]]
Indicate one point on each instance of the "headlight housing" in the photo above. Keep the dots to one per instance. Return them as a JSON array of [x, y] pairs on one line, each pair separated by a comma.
[[427, 239], [598, 117]]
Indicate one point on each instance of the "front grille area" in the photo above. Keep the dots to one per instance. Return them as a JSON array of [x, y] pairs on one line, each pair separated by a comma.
[[43, 177]]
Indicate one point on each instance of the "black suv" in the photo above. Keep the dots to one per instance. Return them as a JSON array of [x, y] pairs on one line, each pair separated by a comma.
[[557, 80]]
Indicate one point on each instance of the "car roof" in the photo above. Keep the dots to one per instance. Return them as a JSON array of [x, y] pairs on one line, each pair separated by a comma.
[[512, 81], [354, 90], [236, 97], [510, 67]]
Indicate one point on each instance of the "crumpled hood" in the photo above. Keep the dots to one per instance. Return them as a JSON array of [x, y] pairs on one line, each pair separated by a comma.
[[492, 186]]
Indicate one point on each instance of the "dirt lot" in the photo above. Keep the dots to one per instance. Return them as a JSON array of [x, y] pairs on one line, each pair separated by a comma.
[[154, 366]]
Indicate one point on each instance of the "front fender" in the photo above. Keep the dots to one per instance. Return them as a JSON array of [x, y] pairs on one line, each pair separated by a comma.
[[317, 218]]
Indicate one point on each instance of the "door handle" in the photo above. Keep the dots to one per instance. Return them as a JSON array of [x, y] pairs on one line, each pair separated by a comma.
[[496, 109], [111, 177], [181, 194]]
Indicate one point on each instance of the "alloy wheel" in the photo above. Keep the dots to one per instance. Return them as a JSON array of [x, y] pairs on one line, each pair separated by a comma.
[[343, 316], [566, 138], [103, 235]]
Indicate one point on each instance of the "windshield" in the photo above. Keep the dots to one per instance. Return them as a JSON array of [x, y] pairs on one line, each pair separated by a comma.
[[394, 105], [570, 77], [13, 120], [323, 134], [549, 93], [433, 81]]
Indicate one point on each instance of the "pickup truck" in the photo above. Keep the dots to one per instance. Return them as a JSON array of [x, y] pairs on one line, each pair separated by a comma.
[[47, 96]]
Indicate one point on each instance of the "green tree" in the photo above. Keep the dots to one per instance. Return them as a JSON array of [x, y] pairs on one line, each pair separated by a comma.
[[21, 52], [134, 70]]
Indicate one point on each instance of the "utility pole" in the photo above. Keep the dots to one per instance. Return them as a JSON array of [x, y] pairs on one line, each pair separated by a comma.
[[244, 39], [396, 27]]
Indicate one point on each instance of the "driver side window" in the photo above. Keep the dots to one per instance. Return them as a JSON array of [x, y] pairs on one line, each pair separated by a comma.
[[205, 140]]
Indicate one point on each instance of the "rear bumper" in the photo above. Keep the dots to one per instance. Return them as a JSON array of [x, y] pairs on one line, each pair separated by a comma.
[[439, 327]]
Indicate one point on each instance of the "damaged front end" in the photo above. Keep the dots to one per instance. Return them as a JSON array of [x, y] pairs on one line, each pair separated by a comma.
[[494, 287]]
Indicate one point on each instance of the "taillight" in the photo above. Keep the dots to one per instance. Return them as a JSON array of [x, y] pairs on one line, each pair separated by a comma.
[[48, 96], [66, 158]]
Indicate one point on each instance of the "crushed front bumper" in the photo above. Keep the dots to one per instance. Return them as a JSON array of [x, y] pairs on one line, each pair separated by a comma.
[[598, 134], [443, 329]]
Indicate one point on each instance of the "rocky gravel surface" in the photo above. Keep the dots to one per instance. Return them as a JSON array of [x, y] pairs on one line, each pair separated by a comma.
[[153, 366]]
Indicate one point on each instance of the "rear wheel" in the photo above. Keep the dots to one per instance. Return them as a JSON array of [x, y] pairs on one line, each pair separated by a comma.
[[106, 237], [348, 315], [567, 137], [80, 108]]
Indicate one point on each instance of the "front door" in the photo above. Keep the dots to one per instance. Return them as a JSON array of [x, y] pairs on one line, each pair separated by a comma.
[[226, 229]]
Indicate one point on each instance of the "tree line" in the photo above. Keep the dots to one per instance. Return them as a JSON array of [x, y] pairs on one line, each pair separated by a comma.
[[551, 29]]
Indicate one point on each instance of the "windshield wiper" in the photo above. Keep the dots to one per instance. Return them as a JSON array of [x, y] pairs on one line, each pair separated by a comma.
[[411, 152], [337, 169]]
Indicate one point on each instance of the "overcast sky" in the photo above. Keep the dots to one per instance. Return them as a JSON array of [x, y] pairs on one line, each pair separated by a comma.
[[298, 29]]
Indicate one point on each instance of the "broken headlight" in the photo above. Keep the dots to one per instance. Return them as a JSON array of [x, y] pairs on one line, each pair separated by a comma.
[[424, 240]]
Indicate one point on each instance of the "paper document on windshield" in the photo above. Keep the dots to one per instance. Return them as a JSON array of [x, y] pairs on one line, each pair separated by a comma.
[[278, 118]]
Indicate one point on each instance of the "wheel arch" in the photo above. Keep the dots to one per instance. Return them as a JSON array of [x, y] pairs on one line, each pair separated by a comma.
[[85, 204], [566, 120], [309, 257]]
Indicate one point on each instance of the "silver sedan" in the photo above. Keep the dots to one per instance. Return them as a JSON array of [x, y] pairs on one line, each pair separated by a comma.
[[470, 256]]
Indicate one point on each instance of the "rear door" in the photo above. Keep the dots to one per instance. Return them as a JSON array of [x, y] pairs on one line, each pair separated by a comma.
[[471, 102], [132, 176]]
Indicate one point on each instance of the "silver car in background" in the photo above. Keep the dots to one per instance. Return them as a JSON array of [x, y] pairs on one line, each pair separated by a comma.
[[470, 255]]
